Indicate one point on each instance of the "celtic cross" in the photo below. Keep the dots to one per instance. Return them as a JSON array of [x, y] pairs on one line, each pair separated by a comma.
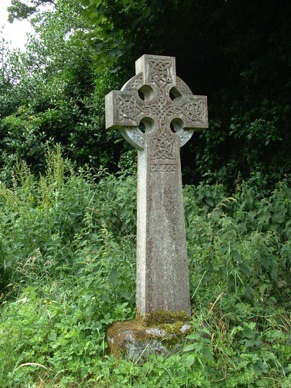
[[157, 114]]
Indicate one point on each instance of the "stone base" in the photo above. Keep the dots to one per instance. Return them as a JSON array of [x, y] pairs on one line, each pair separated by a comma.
[[136, 341]]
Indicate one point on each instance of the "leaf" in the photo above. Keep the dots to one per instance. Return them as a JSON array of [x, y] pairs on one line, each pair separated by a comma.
[[207, 351], [114, 276], [245, 268], [260, 367], [190, 360], [247, 332], [189, 348], [235, 255], [266, 263], [209, 202], [52, 336]]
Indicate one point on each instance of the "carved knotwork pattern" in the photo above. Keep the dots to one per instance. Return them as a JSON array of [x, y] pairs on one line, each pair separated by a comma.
[[183, 136], [160, 72], [131, 109], [182, 87], [134, 84], [127, 110], [162, 147], [196, 111]]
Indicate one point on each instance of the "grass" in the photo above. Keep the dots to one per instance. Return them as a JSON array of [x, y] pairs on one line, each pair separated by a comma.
[[67, 267]]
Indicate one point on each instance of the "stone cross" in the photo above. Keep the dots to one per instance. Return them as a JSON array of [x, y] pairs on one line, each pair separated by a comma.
[[157, 114]]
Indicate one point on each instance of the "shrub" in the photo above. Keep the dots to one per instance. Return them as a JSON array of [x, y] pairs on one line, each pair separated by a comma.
[[68, 271]]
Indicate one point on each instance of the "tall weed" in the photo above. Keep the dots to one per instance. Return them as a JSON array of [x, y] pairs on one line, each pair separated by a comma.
[[68, 259], [240, 244]]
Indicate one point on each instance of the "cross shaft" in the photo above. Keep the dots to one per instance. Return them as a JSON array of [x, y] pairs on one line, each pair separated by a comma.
[[164, 104]]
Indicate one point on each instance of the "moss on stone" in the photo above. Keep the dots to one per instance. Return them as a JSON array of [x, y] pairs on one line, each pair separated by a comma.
[[161, 317], [148, 333]]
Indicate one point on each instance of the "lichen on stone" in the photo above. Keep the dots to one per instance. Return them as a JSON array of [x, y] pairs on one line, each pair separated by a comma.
[[159, 333]]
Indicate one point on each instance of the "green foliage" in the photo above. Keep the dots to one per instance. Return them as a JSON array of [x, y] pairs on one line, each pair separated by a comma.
[[240, 243], [54, 212], [20, 11], [52, 94], [67, 256], [67, 234], [253, 147], [55, 90]]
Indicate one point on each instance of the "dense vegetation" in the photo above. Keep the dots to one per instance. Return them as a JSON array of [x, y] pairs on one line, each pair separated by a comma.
[[67, 223], [68, 270], [83, 49]]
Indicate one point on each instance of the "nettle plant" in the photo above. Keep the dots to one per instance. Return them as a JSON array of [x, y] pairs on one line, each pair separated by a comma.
[[68, 271], [240, 243]]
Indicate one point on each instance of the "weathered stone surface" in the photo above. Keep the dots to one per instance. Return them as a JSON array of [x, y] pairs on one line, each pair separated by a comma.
[[135, 341], [160, 102]]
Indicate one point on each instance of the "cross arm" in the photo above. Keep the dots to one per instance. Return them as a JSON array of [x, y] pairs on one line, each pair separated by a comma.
[[123, 113], [121, 110], [195, 113]]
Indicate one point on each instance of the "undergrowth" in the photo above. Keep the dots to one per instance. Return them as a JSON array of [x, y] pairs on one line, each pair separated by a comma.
[[67, 271]]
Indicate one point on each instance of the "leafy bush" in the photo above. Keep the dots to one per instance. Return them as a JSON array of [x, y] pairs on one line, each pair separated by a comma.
[[68, 271], [249, 144], [46, 219], [240, 243]]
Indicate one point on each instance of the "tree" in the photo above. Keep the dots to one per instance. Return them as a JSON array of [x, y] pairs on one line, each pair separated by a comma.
[[20, 10], [236, 52], [57, 96]]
